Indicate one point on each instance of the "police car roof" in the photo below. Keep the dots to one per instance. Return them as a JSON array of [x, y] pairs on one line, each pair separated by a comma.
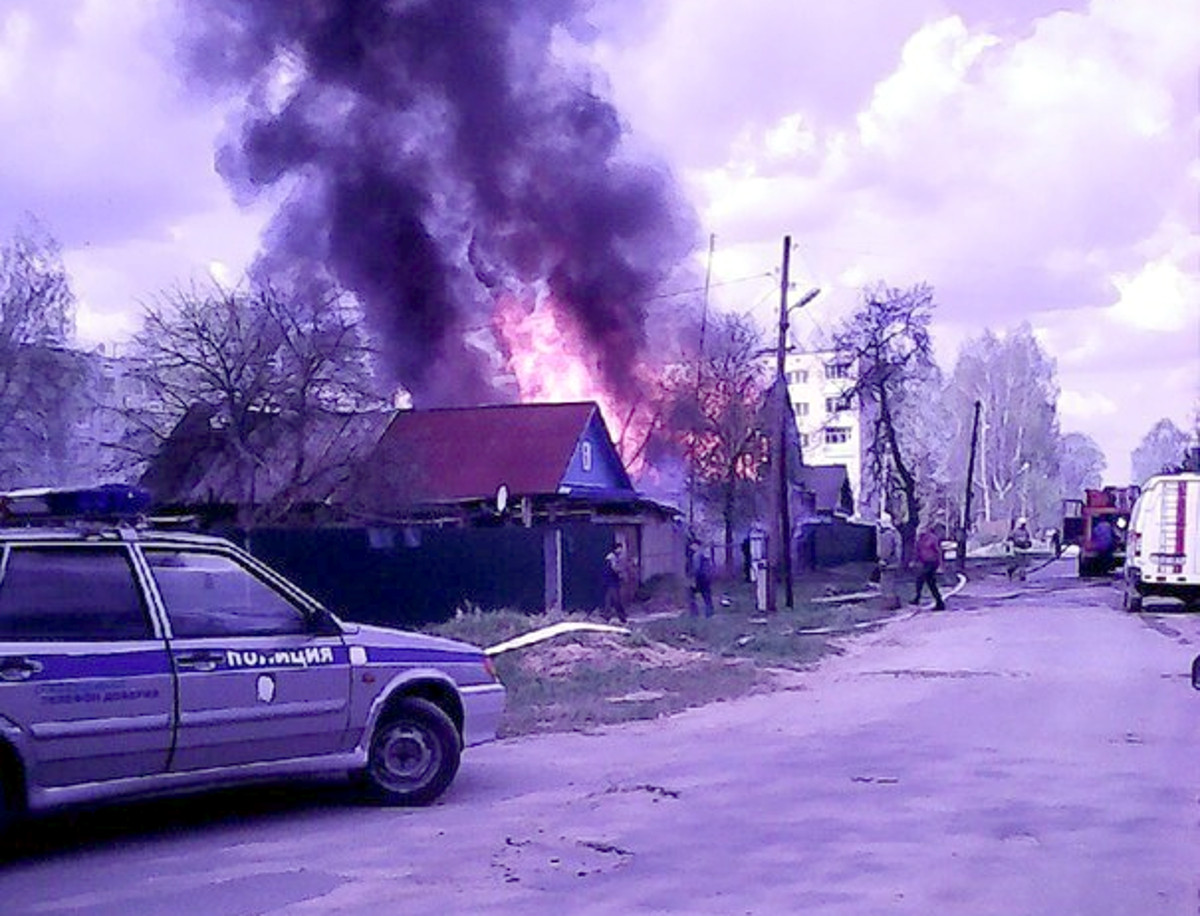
[[85, 531]]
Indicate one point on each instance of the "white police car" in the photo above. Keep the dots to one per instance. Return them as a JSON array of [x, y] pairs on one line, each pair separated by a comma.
[[136, 661]]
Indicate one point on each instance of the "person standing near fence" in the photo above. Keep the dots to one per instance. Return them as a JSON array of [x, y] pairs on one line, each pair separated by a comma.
[[887, 552], [701, 573], [614, 574]]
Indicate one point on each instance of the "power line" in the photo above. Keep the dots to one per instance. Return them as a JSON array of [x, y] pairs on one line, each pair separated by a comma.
[[700, 289]]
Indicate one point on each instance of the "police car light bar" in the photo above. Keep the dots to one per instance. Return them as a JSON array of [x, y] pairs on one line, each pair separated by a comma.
[[110, 501]]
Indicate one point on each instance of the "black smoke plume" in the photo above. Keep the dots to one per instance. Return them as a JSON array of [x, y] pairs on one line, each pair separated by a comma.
[[433, 153]]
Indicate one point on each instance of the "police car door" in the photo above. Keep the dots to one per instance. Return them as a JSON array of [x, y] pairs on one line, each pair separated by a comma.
[[85, 681], [257, 680]]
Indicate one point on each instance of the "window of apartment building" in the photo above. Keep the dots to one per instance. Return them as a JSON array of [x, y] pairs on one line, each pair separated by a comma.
[[801, 408], [805, 440], [798, 377], [836, 435], [837, 370], [837, 403]]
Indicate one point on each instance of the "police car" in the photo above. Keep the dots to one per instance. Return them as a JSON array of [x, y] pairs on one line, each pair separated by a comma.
[[136, 661]]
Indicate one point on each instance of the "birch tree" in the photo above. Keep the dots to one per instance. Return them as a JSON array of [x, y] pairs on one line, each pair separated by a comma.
[[1162, 449], [37, 311], [1019, 445], [1081, 465]]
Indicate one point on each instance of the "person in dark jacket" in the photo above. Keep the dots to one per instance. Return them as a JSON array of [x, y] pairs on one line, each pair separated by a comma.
[[1104, 543], [614, 574], [929, 561], [700, 572]]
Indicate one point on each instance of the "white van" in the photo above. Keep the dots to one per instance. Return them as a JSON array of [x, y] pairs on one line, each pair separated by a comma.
[[1163, 546]]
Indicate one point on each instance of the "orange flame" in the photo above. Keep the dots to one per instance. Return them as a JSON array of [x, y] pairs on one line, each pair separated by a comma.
[[551, 361]]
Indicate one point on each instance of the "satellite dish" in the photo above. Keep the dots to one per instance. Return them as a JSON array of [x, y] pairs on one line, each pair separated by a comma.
[[501, 498]]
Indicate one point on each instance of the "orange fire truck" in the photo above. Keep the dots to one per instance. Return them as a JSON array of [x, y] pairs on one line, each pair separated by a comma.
[[1080, 516]]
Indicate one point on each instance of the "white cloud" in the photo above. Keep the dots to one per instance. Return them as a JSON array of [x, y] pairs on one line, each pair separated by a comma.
[[1159, 297], [1081, 406], [933, 67]]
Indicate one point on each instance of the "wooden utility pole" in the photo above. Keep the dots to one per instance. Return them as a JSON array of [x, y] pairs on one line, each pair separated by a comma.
[[712, 244], [785, 520], [786, 427], [966, 519]]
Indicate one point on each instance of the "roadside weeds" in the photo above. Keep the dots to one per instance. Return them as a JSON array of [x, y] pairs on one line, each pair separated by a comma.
[[670, 661]]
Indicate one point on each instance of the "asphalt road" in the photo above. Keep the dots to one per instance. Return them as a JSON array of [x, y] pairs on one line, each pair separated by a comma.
[[1034, 750]]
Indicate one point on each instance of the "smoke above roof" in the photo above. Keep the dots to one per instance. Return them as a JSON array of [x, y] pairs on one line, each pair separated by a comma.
[[433, 155]]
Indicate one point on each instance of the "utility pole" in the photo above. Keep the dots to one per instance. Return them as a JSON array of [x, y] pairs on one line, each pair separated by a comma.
[[785, 521], [712, 244], [786, 420], [966, 519]]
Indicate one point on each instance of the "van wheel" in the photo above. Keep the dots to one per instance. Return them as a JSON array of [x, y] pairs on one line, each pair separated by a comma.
[[414, 754]]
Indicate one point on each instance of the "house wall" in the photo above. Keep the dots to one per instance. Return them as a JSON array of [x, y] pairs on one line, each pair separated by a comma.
[[663, 549]]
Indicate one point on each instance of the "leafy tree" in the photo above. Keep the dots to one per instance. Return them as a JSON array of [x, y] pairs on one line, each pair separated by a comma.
[[1081, 466], [711, 411], [1018, 456], [260, 368], [887, 340], [37, 311], [1161, 449]]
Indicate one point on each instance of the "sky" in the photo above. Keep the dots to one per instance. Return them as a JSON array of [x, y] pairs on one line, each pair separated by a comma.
[[1033, 161]]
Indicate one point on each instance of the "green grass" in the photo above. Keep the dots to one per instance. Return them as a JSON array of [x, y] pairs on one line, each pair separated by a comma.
[[670, 662]]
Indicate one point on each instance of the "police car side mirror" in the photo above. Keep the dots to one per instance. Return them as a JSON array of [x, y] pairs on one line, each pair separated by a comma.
[[323, 623], [1196, 672]]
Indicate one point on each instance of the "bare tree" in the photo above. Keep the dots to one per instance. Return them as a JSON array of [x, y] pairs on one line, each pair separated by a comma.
[[887, 341], [713, 410], [264, 369], [37, 311]]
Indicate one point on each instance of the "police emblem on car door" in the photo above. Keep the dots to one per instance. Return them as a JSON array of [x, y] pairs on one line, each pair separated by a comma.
[[259, 677]]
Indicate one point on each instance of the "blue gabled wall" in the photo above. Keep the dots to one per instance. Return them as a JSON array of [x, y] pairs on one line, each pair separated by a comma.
[[606, 472]]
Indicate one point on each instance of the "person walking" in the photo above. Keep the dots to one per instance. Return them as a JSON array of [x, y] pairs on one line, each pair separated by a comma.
[[929, 561], [1019, 542]]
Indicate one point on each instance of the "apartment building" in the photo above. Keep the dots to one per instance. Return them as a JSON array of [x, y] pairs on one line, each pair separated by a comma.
[[830, 423]]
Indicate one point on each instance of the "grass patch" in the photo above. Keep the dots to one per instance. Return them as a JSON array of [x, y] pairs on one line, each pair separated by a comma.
[[670, 661]]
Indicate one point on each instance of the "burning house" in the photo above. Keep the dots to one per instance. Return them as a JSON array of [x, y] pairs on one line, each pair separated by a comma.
[[411, 514]]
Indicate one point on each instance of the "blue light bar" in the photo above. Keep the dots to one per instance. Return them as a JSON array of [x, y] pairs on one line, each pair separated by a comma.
[[110, 501]]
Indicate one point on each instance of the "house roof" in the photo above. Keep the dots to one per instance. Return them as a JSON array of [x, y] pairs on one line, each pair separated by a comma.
[[462, 454], [389, 461], [827, 483], [196, 464]]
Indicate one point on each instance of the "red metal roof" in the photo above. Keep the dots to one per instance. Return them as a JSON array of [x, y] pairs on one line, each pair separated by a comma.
[[467, 453]]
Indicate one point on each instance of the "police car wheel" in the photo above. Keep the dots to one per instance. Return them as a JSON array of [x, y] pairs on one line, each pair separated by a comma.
[[414, 754], [7, 809]]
